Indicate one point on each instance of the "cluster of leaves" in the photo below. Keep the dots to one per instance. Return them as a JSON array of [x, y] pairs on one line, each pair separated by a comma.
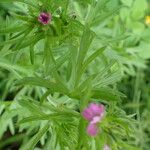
[[138, 83], [50, 73]]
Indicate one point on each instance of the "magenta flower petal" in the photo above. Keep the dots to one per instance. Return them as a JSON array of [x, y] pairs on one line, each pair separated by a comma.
[[92, 129], [97, 109], [106, 147], [94, 114], [44, 18], [94, 110], [87, 114]]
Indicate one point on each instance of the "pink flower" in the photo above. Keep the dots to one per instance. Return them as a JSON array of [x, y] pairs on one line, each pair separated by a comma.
[[44, 18], [92, 129], [94, 110], [106, 147], [94, 114]]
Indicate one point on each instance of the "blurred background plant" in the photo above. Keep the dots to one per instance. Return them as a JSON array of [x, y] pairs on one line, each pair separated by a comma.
[[92, 50]]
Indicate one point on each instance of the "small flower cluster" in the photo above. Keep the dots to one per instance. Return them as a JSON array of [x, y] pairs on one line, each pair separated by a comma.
[[45, 18], [94, 114]]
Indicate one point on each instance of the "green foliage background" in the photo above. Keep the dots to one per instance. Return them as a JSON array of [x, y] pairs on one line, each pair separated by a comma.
[[93, 51]]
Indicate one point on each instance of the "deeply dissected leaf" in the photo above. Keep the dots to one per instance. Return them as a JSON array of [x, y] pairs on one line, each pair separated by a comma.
[[51, 85], [106, 93], [34, 140]]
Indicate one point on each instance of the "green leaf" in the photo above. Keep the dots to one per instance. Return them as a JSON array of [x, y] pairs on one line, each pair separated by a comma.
[[85, 42], [37, 81], [138, 9], [32, 54], [96, 8], [25, 41], [23, 1], [12, 29], [19, 42], [99, 19], [15, 69], [127, 2], [92, 57], [106, 93], [59, 62], [28, 40], [36, 138], [61, 117], [21, 17], [88, 61], [100, 141], [137, 27], [31, 107], [48, 54], [110, 79]]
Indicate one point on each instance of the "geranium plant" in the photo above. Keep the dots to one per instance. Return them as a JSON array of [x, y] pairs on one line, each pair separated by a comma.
[[65, 59]]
